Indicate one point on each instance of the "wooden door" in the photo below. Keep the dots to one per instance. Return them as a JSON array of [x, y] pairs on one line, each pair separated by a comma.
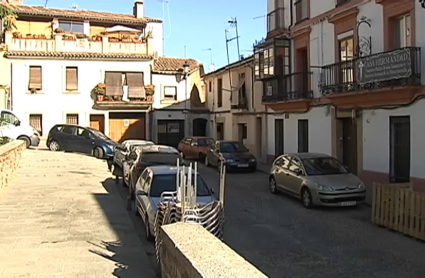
[[349, 144], [98, 122], [124, 129]]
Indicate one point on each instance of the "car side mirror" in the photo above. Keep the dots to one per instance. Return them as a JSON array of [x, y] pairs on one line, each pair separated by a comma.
[[17, 123]]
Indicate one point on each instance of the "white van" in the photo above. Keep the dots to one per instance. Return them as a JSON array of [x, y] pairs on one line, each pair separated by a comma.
[[14, 128]]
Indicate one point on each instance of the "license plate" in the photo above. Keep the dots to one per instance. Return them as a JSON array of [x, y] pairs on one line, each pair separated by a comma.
[[243, 165], [348, 204]]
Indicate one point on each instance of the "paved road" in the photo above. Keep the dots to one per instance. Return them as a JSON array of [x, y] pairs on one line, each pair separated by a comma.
[[58, 218], [282, 239]]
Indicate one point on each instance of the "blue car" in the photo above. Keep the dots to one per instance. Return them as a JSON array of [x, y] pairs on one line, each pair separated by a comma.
[[73, 138]]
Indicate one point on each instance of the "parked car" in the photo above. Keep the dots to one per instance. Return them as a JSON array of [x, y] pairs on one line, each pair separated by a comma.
[[152, 183], [317, 179], [14, 128], [233, 153], [147, 156], [73, 138], [195, 147], [126, 147]]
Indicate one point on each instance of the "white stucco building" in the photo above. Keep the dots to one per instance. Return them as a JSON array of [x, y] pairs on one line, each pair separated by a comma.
[[55, 58], [324, 94]]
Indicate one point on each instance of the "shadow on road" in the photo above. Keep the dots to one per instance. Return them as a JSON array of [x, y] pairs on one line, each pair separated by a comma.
[[127, 251]]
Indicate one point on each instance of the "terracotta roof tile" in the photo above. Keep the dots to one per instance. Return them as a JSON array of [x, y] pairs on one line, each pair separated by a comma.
[[173, 65], [76, 55], [79, 14]]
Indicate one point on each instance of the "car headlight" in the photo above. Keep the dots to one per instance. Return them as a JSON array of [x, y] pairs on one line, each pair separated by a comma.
[[361, 186], [252, 160], [325, 188], [229, 160]]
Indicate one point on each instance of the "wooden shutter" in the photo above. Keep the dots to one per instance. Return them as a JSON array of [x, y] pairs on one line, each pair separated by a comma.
[[36, 122], [72, 119], [136, 85], [35, 80], [71, 78], [113, 82]]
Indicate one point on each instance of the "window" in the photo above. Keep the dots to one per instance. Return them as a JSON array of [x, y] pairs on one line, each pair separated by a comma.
[[35, 78], [402, 36], [243, 132], [295, 165], [400, 149], [72, 119], [187, 141], [170, 93], [346, 55], [9, 118], [209, 86], [301, 10], [71, 78], [68, 130], [278, 137], [83, 132], [219, 92], [72, 26], [303, 136], [36, 121]]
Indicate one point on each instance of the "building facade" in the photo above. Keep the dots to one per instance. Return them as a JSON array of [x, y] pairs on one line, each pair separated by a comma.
[[179, 107], [345, 78], [82, 67], [237, 114]]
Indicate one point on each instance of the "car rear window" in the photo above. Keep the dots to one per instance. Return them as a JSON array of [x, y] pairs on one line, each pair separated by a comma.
[[152, 159], [204, 142], [167, 183]]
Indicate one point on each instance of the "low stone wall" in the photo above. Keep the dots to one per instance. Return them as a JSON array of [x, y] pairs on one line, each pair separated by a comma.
[[10, 154], [189, 250]]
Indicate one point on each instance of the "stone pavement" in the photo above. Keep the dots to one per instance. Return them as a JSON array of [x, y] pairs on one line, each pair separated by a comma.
[[58, 219]]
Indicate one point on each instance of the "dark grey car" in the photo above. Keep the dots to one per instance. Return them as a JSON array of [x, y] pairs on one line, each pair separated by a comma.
[[233, 153]]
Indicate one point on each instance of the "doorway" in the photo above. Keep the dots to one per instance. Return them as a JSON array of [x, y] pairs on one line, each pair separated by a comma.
[[301, 76], [98, 122], [278, 137], [199, 127], [348, 143], [259, 139], [220, 131], [170, 132], [400, 149]]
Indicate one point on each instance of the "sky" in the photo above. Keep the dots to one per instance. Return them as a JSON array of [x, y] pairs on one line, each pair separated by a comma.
[[196, 24]]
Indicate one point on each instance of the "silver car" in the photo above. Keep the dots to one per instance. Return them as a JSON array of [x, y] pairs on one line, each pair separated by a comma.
[[152, 183], [317, 179], [126, 147]]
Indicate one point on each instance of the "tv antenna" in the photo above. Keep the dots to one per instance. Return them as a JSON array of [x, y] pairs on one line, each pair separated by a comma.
[[74, 6], [212, 66], [258, 17], [45, 3]]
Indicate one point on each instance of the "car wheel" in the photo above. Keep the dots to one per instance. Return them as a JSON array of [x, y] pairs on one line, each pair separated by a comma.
[[54, 146], [201, 157], [98, 152], [149, 236], [272, 185], [26, 140], [306, 198]]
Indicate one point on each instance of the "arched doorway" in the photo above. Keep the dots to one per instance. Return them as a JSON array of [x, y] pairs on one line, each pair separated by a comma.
[[199, 127]]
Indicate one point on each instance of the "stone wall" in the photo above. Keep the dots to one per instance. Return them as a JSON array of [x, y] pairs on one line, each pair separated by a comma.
[[189, 250], [10, 154]]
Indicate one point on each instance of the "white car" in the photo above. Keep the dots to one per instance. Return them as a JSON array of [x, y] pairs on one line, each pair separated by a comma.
[[11, 126], [126, 147]]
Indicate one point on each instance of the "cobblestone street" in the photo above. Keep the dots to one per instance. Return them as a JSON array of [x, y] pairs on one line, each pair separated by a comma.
[[58, 220]]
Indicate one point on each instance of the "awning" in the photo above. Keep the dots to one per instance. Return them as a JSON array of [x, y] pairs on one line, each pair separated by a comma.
[[113, 82], [136, 85], [235, 91], [122, 29]]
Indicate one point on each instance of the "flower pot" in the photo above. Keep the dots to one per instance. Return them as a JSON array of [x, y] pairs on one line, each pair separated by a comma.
[[149, 98], [100, 97]]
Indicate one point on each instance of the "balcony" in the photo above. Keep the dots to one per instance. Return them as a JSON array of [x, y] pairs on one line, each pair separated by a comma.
[[276, 20], [60, 43], [288, 88], [401, 67]]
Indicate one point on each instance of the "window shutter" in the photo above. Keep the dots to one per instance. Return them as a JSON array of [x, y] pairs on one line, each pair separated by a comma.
[[71, 79], [113, 82], [35, 78], [36, 122], [136, 85]]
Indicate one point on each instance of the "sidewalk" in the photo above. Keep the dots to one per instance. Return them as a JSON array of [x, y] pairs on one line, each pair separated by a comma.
[[263, 168], [58, 220]]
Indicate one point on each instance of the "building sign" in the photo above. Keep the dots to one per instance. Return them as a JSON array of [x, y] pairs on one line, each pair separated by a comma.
[[386, 66], [126, 122], [173, 128]]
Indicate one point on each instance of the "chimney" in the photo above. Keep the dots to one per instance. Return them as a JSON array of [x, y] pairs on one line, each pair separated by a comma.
[[138, 9]]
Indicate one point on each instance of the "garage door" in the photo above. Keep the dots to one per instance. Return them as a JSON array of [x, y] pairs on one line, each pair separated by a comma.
[[124, 127]]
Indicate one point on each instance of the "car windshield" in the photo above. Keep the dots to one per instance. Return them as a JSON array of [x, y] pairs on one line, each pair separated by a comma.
[[232, 147], [167, 183], [134, 146], [160, 159], [323, 166], [204, 142], [99, 134]]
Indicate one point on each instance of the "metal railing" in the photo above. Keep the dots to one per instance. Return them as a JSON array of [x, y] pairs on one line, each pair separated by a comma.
[[400, 67], [293, 86], [276, 20]]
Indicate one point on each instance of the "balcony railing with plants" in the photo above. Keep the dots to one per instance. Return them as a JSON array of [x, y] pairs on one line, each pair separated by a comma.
[[99, 92], [295, 86], [401, 67], [276, 20]]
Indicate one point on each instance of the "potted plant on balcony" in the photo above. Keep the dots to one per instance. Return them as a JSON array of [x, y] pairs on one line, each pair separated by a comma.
[[35, 36], [126, 38], [113, 39], [150, 91], [81, 36], [28, 36], [99, 90], [58, 31], [68, 37], [17, 35]]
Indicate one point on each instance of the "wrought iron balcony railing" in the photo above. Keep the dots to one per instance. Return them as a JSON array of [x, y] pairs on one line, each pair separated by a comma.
[[276, 20], [400, 67], [295, 86]]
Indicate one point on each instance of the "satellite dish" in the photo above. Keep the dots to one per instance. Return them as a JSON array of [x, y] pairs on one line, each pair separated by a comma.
[[212, 67]]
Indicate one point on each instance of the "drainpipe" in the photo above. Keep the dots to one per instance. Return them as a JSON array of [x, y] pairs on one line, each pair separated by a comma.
[[291, 12]]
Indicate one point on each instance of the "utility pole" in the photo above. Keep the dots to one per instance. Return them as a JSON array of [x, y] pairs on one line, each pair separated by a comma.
[[234, 24]]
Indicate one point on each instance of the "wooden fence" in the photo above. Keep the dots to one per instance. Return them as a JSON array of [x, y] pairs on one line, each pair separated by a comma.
[[398, 207]]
